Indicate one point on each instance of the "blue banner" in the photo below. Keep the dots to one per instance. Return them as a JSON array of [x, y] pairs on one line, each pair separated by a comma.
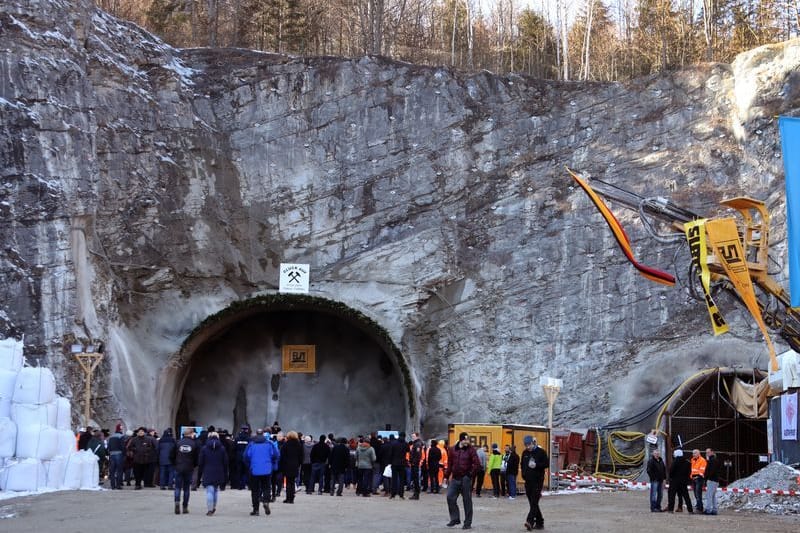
[[790, 137]]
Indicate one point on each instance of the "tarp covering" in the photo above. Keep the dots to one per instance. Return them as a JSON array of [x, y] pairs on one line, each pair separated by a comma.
[[750, 400]]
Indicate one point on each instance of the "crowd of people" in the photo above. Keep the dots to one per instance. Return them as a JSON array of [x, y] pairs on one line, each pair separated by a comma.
[[698, 472], [269, 461]]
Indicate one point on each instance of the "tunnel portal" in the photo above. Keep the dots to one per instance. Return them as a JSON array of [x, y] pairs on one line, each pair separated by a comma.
[[234, 372]]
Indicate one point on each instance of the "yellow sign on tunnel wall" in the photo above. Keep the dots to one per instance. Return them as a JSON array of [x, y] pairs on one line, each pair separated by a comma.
[[299, 358]]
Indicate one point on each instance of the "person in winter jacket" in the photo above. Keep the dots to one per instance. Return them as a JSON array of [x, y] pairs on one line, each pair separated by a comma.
[[462, 466], [261, 458], [339, 459], [678, 482], [512, 469], [398, 447], [184, 459], [534, 463], [116, 458], [434, 458], [320, 453], [97, 446], [144, 452], [481, 474], [494, 464], [289, 461], [698, 478], [166, 473], [305, 468], [213, 465], [414, 459], [657, 472], [365, 461], [712, 482]]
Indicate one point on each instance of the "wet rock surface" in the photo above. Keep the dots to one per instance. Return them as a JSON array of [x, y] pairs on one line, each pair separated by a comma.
[[146, 188]]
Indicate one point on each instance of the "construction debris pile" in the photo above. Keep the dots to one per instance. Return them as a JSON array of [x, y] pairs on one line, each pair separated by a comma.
[[776, 477]]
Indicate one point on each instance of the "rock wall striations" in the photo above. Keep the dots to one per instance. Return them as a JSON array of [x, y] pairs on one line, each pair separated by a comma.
[[145, 189]]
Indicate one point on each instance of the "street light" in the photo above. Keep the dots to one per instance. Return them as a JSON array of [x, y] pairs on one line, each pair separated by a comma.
[[89, 357]]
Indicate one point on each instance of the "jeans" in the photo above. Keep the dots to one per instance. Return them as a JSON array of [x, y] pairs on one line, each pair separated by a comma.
[[656, 494], [337, 479], [698, 493], [462, 486], [711, 496], [364, 481], [212, 493], [116, 464], [166, 475], [317, 476], [183, 482], [512, 485]]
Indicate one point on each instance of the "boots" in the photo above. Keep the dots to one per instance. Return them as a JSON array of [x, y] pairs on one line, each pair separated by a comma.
[[415, 496], [185, 509], [177, 508], [266, 508], [254, 512]]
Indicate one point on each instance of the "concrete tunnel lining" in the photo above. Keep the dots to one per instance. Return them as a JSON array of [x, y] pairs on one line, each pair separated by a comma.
[[172, 381]]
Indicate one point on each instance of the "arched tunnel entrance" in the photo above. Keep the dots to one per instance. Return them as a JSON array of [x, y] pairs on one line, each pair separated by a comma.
[[231, 372]]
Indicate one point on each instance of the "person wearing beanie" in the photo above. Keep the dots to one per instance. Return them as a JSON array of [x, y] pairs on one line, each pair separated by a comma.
[[534, 463], [678, 481], [462, 466]]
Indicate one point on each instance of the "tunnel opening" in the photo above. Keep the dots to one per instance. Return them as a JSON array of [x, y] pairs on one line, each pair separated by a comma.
[[231, 370], [724, 409]]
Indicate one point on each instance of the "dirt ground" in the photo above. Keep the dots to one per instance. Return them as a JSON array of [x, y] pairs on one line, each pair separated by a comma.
[[152, 510]]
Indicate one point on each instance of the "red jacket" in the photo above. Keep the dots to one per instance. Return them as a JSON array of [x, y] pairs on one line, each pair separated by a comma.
[[462, 462]]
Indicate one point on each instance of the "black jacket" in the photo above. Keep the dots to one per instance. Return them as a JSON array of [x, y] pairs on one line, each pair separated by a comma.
[[398, 455], [512, 464], [656, 469], [434, 457], [712, 469], [339, 459], [184, 455], [680, 470], [320, 453], [291, 457], [534, 473]]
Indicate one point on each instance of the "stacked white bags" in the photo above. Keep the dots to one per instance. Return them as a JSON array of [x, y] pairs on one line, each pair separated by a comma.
[[37, 446]]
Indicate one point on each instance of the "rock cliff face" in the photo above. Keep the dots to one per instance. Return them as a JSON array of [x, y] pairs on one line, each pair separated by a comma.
[[146, 189]]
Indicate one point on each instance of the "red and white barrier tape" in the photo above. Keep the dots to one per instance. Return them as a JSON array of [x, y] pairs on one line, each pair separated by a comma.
[[627, 483]]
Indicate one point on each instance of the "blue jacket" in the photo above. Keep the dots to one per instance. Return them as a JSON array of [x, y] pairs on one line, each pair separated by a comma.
[[261, 456], [213, 463]]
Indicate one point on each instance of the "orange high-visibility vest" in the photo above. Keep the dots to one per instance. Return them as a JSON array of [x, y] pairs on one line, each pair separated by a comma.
[[698, 466]]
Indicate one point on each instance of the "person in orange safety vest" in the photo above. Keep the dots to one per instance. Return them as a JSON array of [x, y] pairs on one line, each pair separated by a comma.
[[698, 478]]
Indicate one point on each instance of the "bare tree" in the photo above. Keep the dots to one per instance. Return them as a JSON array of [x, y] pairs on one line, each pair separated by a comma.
[[562, 14], [709, 14], [587, 39]]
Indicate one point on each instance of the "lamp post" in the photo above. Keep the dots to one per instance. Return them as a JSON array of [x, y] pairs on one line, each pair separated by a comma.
[[551, 388], [89, 359]]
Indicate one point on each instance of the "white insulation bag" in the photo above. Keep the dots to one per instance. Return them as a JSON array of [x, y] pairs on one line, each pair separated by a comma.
[[35, 385]]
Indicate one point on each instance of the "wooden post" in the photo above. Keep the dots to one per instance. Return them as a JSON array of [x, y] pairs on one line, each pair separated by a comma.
[[88, 361]]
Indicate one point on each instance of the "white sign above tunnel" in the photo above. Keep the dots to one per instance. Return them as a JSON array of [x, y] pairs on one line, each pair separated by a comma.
[[294, 278]]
